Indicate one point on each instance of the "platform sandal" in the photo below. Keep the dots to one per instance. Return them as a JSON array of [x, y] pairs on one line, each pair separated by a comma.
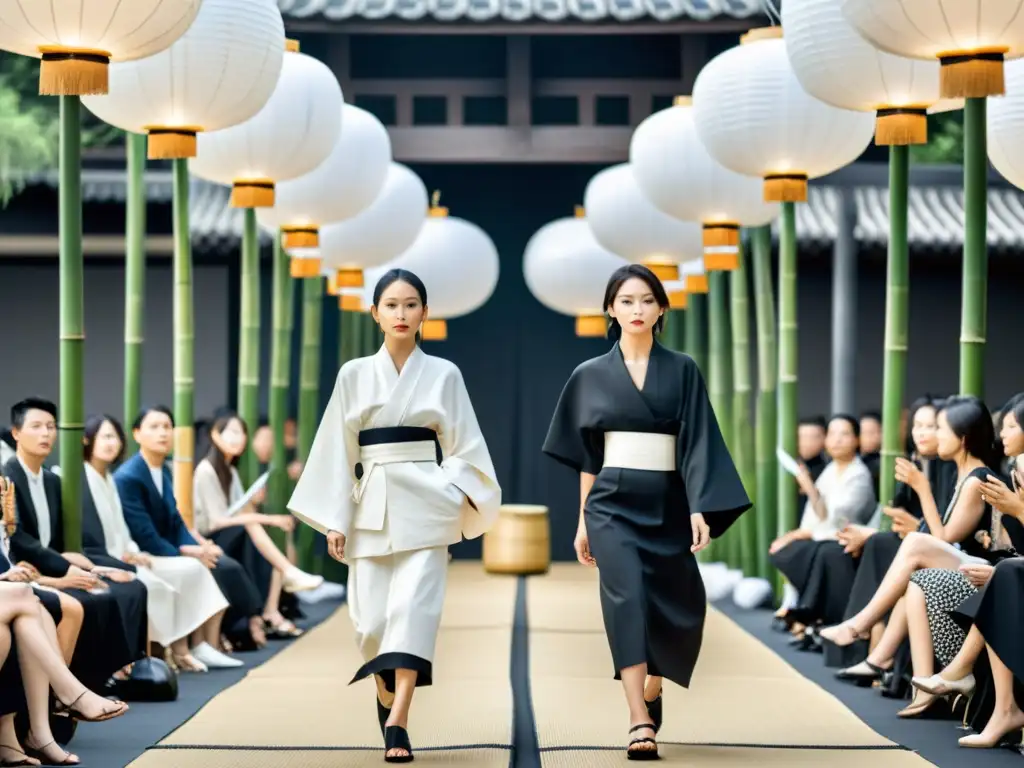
[[396, 737], [642, 754], [654, 711]]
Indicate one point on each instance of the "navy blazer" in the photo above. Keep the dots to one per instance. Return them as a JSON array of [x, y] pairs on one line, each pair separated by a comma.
[[25, 544], [152, 518]]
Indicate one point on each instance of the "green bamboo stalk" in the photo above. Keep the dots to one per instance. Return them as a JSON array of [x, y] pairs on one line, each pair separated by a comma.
[[72, 322], [743, 434], [720, 381], [767, 405], [372, 336], [894, 374], [309, 393], [787, 519], [672, 332], [184, 345], [696, 330], [134, 280], [349, 336], [974, 310], [280, 376], [249, 342]]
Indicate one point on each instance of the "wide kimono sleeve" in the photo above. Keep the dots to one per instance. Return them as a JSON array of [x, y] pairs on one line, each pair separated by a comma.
[[713, 486], [322, 498], [467, 462], [569, 441]]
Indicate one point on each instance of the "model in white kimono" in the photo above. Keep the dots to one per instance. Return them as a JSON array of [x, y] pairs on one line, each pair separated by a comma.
[[400, 468]]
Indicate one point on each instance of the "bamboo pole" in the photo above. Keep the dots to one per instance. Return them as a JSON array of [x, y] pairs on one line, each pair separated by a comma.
[[787, 515], [184, 342], [896, 323], [72, 322], [249, 342], [349, 336], [672, 332], [974, 310], [280, 376], [134, 281], [309, 393], [767, 406], [720, 381], [743, 434]]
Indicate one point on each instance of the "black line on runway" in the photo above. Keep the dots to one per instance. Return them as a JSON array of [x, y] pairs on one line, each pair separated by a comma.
[[525, 745]]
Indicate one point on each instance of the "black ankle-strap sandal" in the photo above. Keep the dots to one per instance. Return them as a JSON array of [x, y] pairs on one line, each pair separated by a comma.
[[654, 710], [642, 754], [396, 737], [383, 713]]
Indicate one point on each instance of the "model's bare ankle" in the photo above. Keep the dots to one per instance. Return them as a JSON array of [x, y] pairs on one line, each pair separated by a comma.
[[652, 690]]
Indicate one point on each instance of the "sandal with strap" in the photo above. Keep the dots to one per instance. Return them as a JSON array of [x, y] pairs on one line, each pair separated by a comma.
[[14, 763], [37, 753], [69, 710], [383, 713], [396, 737], [654, 711], [282, 630], [642, 754]]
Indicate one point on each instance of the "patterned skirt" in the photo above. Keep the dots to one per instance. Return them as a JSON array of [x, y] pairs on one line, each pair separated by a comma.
[[944, 590]]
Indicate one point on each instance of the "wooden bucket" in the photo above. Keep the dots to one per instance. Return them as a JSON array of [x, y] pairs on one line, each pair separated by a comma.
[[520, 541]]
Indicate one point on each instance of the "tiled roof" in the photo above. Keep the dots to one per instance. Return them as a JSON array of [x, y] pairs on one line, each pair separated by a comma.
[[935, 222], [520, 10]]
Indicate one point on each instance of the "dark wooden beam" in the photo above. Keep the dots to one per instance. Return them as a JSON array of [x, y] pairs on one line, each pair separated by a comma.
[[429, 27]]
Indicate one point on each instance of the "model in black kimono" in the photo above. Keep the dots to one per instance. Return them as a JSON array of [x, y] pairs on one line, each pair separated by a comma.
[[656, 457]]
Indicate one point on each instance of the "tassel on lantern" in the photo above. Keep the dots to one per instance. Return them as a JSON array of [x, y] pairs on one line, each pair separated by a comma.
[[591, 326], [252, 193], [303, 268], [972, 74], [663, 268], [434, 330], [721, 246], [785, 188], [171, 143], [900, 126], [73, 71], [301, 237]]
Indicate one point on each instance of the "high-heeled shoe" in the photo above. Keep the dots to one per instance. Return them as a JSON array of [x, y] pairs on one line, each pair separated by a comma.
[[937, 685], [842, 635], [919, 709], [861, 679], [1011, 738], [396, 737]]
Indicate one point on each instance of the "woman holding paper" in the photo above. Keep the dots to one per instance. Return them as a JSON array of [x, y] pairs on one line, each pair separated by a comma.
[[223, 515], [811, 557], [182, 595]]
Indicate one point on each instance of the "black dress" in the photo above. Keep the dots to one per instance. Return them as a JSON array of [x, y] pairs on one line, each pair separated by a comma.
[[638, 521]]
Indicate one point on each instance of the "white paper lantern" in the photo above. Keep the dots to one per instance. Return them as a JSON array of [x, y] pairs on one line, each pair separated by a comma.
[[567, 271], [627, 224], [220, 73], [386, 228], [1006, 125], [675, 172], [755, 118], [836, 65], [77, 39], [970, 38], [339, 188], [293, 133], [458, 264]]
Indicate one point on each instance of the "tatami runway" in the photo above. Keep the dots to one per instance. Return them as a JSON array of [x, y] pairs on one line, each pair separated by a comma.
[[523, 677]]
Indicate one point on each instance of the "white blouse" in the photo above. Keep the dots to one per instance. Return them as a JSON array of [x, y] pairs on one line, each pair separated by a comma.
[[108, 507], [849, 498]]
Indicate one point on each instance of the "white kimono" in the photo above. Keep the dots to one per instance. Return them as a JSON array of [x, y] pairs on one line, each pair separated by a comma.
[[404, 509], [182, 593]]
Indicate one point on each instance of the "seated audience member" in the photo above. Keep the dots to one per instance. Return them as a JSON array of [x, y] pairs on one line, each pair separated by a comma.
[[183, 595], [146, 490], [37, 669], [113, 632], [811, 557], [871, 444], [243, 535]]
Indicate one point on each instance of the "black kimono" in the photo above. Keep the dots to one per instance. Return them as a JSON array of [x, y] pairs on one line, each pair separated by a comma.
[[115, 622], [638, 521]]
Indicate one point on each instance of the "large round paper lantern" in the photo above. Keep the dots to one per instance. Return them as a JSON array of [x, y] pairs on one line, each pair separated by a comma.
[[675, 172], [1006, 125], [969, 38], [755, 118], [567, 271], [387, 227], [627, 223], [339, 188], [293, 133], [220, 73], [836, 65], [458, 264], [77, 39]]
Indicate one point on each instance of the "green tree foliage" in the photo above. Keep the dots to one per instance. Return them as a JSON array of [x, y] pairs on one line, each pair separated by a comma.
[[945, 139], [28, 125]]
